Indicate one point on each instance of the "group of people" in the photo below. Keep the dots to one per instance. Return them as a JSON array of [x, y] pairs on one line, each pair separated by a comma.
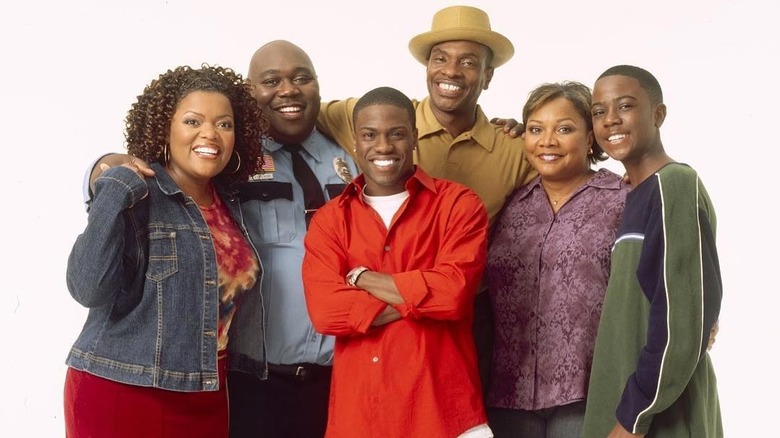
[[261, 263]]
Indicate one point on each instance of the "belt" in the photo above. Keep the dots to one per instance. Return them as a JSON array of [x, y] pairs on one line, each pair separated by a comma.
[[301, 372]]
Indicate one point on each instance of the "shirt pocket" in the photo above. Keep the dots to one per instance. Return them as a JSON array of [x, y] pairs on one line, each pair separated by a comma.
[[276, 208], [334, 190], [163, 260]]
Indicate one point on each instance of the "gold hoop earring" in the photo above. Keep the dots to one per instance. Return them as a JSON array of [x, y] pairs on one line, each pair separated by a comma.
[[165, 155], [239, 163]]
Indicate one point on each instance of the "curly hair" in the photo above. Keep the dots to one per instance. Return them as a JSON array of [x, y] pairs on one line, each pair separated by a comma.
[[579, 96], [148, 123]]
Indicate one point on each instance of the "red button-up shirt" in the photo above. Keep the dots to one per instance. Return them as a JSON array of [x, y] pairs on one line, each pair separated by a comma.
[[416, 376]]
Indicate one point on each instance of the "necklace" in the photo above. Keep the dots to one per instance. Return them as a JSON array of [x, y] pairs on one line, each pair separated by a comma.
[[555, 201], [564, 198]]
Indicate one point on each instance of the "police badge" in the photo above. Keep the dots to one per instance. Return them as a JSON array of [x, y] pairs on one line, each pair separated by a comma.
[[342, 170]]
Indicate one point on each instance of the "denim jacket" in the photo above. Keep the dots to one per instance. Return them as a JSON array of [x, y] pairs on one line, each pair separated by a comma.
[[146, 268]]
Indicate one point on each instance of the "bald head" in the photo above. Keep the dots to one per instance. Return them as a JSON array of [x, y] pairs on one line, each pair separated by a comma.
[[277, 48], [286, 89]]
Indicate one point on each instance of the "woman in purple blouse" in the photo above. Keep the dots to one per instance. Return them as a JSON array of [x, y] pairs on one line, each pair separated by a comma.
[[548, 265]]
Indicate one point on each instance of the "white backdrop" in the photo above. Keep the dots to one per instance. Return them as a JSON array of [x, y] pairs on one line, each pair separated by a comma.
[[70, 70]]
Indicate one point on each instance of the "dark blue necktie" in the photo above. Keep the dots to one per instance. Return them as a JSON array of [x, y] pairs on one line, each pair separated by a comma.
[[313, 197]]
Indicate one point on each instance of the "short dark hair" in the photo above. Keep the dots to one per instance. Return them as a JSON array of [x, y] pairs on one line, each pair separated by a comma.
[[385, 96], [646, 80]]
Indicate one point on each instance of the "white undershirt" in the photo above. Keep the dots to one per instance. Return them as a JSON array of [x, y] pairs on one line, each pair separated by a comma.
[[481, 431], [386, 206]]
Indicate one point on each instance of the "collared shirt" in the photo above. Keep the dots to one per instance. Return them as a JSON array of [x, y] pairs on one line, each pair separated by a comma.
[[548, 273], [416, 376], [273, 208], [483, 158]]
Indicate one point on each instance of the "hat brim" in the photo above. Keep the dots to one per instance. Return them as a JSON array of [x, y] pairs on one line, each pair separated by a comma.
[[502, 48]]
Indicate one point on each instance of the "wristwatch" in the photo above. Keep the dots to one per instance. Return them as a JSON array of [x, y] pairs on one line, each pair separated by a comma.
[[352, 276]]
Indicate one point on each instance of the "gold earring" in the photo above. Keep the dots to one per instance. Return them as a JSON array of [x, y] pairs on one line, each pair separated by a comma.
[[239, 163]]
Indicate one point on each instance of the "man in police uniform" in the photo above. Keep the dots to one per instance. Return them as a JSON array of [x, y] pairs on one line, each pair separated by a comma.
[[293, 401]]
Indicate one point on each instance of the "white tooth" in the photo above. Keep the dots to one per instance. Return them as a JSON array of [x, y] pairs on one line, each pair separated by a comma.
[[449, 87], [616, 137], [289, 109], [205, 150], [383, 163]]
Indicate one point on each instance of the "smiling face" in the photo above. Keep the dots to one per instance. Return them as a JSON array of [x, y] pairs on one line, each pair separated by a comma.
[[457, 72], [384, 141], [557, 140], [286, 89], [201, 138], [625, 121]]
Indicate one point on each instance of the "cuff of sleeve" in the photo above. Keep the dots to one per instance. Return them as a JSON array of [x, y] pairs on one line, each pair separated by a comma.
[[411, 285], [122, 183], [364, 311], [85, 188], [631, 407]]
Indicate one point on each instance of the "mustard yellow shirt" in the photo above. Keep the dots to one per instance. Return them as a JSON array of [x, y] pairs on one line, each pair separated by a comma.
[[484, 158]]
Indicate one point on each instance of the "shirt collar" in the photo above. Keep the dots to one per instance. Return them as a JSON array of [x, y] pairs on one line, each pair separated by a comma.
[[309, 144], [483, 132], [606, 179], [418, 181], [169, 187], [602, 179]]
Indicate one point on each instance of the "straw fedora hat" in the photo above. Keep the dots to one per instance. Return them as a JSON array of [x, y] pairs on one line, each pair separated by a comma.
[[462, 23]]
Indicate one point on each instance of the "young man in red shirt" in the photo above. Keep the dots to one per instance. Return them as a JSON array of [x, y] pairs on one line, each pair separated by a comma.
[[391, 269]]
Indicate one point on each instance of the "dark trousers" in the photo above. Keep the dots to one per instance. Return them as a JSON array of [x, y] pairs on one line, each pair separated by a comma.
[[283, 406], [484, 338]]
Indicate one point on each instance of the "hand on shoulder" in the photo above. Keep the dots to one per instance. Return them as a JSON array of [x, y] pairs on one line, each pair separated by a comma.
[[137, 165], [511, 127]]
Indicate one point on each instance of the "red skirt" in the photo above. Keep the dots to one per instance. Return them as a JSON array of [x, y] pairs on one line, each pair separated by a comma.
[[100, 408]]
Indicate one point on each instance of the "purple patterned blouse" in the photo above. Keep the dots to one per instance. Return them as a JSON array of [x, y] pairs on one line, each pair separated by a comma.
[[548, 273]]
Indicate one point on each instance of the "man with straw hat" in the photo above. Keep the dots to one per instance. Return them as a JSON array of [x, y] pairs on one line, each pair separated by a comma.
[[456, 141]]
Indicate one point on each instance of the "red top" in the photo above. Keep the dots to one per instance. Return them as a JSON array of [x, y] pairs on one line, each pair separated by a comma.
[[416, 376], [237, 266]]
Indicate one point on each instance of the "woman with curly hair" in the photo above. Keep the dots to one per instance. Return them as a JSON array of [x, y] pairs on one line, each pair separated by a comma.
[[163, 263]]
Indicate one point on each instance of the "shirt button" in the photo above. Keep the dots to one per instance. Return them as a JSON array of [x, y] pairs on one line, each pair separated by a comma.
[[375, 359], [387, 248]]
